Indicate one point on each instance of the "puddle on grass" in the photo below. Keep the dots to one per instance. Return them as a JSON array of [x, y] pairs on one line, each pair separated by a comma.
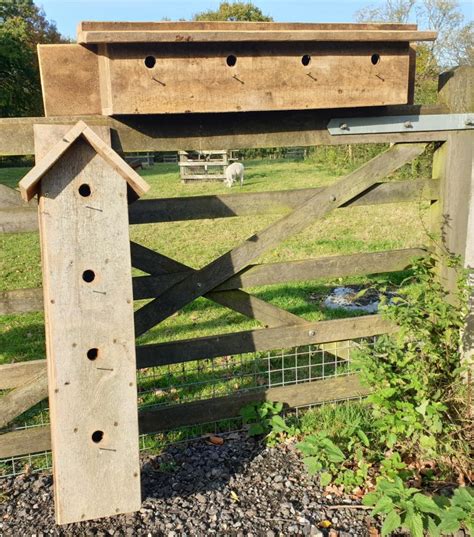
[[355, 298]]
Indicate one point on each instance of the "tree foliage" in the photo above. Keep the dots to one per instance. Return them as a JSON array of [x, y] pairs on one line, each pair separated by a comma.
[[455, 42], [234, 11], [22, 26]]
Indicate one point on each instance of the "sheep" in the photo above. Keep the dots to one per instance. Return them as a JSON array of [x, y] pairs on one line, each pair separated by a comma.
[[233, 173]]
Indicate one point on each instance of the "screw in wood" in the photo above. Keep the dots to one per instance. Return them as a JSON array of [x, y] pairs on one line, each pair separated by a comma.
[[332, 197], [312, 333]]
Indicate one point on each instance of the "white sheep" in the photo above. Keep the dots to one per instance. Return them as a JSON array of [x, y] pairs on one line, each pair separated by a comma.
[[233, 173]]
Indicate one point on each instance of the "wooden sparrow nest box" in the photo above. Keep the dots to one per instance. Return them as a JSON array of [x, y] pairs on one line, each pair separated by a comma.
[[183, 67]]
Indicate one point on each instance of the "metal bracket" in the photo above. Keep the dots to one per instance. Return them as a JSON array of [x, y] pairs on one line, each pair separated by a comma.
[[389, 124]]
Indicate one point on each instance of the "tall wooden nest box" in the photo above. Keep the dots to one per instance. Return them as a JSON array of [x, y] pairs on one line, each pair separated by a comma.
[[182, 67]]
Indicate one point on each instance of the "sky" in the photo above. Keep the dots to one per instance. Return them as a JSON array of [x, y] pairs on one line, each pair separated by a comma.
[[67, 13]]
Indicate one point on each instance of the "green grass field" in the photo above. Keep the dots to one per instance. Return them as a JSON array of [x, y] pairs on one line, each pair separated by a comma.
[[362, 229]]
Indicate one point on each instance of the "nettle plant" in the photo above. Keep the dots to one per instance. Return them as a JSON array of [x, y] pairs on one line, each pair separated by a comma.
[[419, 399], [406, 507], [265, 419]]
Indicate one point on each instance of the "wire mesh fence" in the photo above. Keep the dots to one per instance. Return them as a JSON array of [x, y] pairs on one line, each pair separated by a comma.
[[160, 387]]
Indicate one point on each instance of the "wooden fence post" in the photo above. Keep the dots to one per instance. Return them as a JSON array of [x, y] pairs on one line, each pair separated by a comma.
[[90, 341], [456, 171]]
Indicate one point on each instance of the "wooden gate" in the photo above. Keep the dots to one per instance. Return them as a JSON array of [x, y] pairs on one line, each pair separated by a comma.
[[172, 285]]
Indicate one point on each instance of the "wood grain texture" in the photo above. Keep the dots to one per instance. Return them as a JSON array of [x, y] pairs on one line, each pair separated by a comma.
[[197, 78], [199, 32], [25, 300], [17, 374], [52, 146], [296, 395], [93, 404], [23, 397], [24, 219], [211, 131], [265, 339], [221, 269], [64, 94], [255, 203], [21, 301]]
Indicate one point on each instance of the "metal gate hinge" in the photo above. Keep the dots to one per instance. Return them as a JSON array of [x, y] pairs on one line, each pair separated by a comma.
[[392, 124]]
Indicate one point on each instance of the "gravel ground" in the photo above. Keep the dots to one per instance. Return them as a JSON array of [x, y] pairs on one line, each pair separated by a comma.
[[239, 488]]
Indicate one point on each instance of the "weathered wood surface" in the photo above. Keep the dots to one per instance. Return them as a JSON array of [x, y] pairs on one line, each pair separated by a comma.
[[264, 339], [38, 439], [272, 77], [23, 397], [17, 374], [256, 203], [24, 218], [53, 141], [237, 300], [89, 328], [25, 441], [26, 300], [214, 131], [221, 269], [18, 220], [324, 267], [21, 301], [192, 32]]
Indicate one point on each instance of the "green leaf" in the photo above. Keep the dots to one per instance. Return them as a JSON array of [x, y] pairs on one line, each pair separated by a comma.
[[384, 505], [370, 498], [433, 529], [391, 523], [325, 478], [363, 437], [414, 523], [333, 453], [256, 429], [449, 523], [425, 504], [313, 465], [278, 424]]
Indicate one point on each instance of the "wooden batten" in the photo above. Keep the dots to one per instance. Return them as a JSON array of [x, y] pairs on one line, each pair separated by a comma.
[[178, 68]]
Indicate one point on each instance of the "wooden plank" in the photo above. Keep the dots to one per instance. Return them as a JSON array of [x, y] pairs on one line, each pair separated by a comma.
[[23, 397], [25, 300], [229, 205], [205, 32], [114, 26], [265, 339], [89, 335], [239, 36], [236, 300], [210, 131], [274, 77], [18, 220], [65, 95], [279, 201], [14, 375], [209, 410], [221, 269], [323, 267], [25, 441], [21, 301], [255, 308], [11, 199]]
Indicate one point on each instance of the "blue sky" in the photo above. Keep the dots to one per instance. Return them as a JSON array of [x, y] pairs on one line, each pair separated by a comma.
[[67, 13]]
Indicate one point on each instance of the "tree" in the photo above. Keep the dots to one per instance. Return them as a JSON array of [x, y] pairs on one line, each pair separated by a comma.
[[22, 26], [234, 11], [454, 45]]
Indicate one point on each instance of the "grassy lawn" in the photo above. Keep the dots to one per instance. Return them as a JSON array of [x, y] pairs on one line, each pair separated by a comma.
[[362, 229]]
